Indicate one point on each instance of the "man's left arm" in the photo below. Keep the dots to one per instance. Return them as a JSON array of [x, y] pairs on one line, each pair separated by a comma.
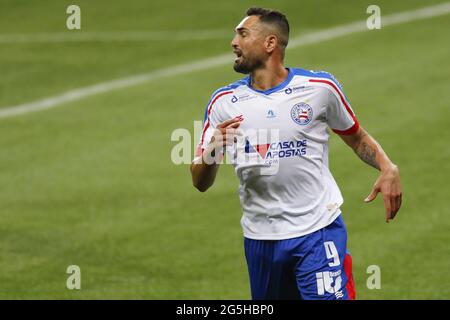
[[388, 182]]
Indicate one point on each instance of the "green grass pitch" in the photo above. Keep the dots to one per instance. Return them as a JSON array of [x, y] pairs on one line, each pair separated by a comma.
[[91, 183]]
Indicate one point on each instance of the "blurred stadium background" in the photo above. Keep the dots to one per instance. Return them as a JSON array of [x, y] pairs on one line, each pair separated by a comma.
[[91, 182]]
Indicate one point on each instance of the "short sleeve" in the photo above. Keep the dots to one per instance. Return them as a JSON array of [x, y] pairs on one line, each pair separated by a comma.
[[340, 116], [210, 121]]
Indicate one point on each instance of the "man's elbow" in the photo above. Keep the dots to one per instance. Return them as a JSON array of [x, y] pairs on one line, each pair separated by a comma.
[[200, 187]]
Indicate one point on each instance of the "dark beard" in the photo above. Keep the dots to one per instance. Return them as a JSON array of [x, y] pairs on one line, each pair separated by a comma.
[[247, 66]]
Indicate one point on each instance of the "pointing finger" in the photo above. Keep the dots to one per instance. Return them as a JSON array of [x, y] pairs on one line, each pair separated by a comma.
[[372, 195], [230, 121], [233, 125]]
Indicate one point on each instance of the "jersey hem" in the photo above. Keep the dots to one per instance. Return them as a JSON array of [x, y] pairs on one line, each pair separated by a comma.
[[335, 215]]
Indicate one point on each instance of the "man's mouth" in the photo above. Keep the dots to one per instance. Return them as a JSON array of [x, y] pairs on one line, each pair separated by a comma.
[[238, 55]]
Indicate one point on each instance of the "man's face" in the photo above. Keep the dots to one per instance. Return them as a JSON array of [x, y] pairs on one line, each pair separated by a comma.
[[248, 45]]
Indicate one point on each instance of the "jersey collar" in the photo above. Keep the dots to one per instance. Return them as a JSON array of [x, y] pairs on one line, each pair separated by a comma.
[[273, 89]]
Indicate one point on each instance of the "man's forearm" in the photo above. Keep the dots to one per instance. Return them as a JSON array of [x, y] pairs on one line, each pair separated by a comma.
[[203, 174], [204, 169], [388, 183], [370, 151]]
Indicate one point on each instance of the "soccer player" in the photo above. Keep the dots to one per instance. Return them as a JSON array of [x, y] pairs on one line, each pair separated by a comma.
[[276, 121]]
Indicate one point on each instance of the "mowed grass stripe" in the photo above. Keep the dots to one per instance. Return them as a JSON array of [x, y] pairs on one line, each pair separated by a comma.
[[315, 37]]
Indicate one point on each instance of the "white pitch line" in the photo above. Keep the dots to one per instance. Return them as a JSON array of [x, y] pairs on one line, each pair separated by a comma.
[[313, 37], [110, 36]]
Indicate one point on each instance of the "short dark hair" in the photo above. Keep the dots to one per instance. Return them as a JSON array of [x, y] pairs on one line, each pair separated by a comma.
[[273, 17]]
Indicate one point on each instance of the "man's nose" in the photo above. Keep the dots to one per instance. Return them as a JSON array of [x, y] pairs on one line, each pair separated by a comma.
[[234, 43]]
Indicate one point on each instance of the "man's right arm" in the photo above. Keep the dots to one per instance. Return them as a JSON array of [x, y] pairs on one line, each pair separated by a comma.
[[204, 168], [203, 174]]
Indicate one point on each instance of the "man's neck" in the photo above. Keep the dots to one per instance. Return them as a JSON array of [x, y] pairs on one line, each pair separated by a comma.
[[269, 77]]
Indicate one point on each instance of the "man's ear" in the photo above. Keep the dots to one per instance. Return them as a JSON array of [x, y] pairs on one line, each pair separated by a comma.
[[271, 43]]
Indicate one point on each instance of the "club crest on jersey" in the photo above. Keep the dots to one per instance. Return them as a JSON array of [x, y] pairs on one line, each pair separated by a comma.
[[302, 113]]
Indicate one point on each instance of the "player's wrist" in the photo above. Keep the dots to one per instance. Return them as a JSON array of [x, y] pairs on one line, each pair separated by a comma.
[[210, 155], [389, 168]]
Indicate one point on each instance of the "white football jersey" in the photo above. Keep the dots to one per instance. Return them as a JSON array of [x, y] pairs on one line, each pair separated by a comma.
[[286, 189]]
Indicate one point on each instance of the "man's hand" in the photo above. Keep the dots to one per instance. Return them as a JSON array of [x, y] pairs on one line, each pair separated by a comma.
[[224, 135], [204, 169], [388, 183], [226, 132]]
